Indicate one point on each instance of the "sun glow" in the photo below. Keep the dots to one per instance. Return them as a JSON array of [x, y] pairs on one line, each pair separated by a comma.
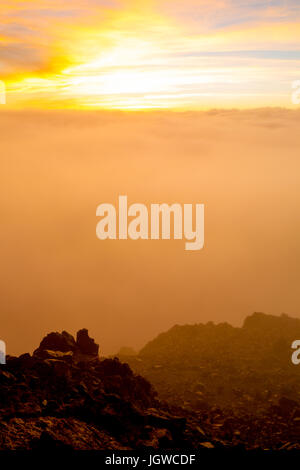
[[131, 58]]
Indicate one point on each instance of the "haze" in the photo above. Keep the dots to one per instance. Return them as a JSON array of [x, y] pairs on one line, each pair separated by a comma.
[[57, 166]]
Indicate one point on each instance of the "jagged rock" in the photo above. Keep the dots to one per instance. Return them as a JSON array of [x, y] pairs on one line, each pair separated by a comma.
[[235, 380], [63, 346], [63, 342], [59, 400], [86, 345], [223, 384], [25, 360]]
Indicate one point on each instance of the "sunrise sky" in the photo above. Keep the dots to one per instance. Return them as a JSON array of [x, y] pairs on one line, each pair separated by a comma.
[[128, 54]]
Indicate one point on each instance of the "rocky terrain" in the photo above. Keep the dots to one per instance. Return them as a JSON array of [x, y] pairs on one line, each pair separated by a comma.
[[65, 397], [239, 384], [219, 387]]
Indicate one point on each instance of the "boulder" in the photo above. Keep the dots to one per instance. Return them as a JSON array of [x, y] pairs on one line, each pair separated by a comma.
[[63, 342], [85, 344]]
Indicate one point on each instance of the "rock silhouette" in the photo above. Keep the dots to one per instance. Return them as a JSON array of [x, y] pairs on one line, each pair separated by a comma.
[[65, 343], [219, 387], [65, 397], [236, 381], [86, 344]]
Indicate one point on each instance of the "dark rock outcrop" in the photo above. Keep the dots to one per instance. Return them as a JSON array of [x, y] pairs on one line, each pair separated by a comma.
[[66, 397], [85, 344], [65, 343], [223, 387], [236, 380]]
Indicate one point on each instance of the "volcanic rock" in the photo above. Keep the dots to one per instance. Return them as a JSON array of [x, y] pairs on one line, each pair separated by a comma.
[[56, 400], [63, 342], [86, 344], [236, 381]]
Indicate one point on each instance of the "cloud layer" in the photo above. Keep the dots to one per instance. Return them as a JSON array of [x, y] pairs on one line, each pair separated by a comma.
[[56, 167]]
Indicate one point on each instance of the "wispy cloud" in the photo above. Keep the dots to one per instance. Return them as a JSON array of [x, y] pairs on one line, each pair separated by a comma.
[[125, 53]]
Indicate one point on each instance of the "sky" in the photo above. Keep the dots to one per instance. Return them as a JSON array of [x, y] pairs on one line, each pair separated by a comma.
[[154, 54]]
